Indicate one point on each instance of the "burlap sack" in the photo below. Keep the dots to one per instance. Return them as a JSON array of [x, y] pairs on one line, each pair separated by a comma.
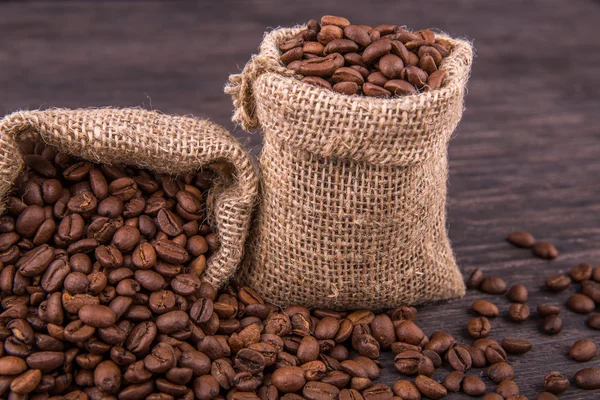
[[353, 189], [160, 143]]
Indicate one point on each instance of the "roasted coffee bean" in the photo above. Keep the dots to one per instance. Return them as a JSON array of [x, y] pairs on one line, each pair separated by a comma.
[[545, 250], [408, 332], [583, 350], [453, 381], [593, 321], [518, 312], [493, 285], [499, 372], [591, 289], [545, 310], [588, 378], [97, 316], [459, 358], [518, 294], [516, 346], [580, 303], [521, 239], [543, 396], [26, 382], [320, 391], [430, 388], [107, 377], [507, 389], [494, 353], [558, 283], [485, 308], [288, 379], [473, 386], [407, 362], [479, 327], [581, 272], [555, 382]]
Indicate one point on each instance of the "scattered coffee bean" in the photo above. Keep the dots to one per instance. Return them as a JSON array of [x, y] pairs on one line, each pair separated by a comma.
[[548, 309], [588, 379], [473, 386], [545, 250], [551, 324], [580, 303], [593, 321], [453, 381], [507, 389], [546, 396], [516, 346], [518, 312], [555, 382], [485, 308], [479, 327], [406, 390], [493, 285], [558, 283], [430, 388], [475, 279], [518, 294], [581, 272], [500, 371], [583, 350], [521, 239]]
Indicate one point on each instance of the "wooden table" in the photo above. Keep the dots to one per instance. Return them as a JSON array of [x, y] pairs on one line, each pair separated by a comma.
[[526, 155]]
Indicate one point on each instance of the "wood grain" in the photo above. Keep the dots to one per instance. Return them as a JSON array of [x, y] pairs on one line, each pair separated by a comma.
[[526, 155]]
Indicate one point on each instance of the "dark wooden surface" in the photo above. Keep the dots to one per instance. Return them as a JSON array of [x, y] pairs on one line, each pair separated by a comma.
[[526, 155]]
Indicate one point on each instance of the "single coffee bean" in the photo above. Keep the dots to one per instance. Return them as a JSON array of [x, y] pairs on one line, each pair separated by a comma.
[[399, 87], [430, 388], [580, 303], [518, 294], [407, 362], [493, 285], [545, 250], [499, 372], [320, 391], [97, 316], [408, 332], [372, 90], [518, 312], [555, 382], [581, 272], [459, 358], [508, 389], [591, 289], [545, 310], [473, 386], [10, 365], [453, 381], [558, 283], [406, 390], [160, 359], [516, 346], [588, 378], [475, 279], [593, 321], [521, 239], [583, 350], [378, 391], [485, 308], [479, 327], [26, 382], [494, 353]]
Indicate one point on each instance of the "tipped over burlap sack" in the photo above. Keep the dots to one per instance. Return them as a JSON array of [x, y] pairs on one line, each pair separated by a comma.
[[157, 142], [353, 189]]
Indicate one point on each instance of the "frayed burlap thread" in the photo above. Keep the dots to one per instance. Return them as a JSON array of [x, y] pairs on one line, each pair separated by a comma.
[[353, 189], [147, 139]]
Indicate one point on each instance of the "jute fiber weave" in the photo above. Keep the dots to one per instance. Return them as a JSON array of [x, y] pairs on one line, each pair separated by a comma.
[[158, 142], [353, 189]]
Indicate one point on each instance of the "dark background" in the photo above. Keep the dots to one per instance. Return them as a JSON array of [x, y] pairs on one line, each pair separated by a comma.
[[526, 155]]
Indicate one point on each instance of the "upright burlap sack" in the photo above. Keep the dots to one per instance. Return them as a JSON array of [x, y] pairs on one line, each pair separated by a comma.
[[353, 189], [158, 142]]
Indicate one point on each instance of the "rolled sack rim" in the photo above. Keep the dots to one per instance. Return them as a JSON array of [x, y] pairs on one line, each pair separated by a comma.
[[405, 129]]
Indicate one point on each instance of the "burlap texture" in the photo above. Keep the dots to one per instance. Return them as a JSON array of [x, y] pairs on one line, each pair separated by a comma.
[[353, 189], [157, 142]]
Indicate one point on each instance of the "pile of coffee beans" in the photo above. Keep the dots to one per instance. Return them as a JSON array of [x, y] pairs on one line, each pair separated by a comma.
[[381, 61], [100, 299]]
